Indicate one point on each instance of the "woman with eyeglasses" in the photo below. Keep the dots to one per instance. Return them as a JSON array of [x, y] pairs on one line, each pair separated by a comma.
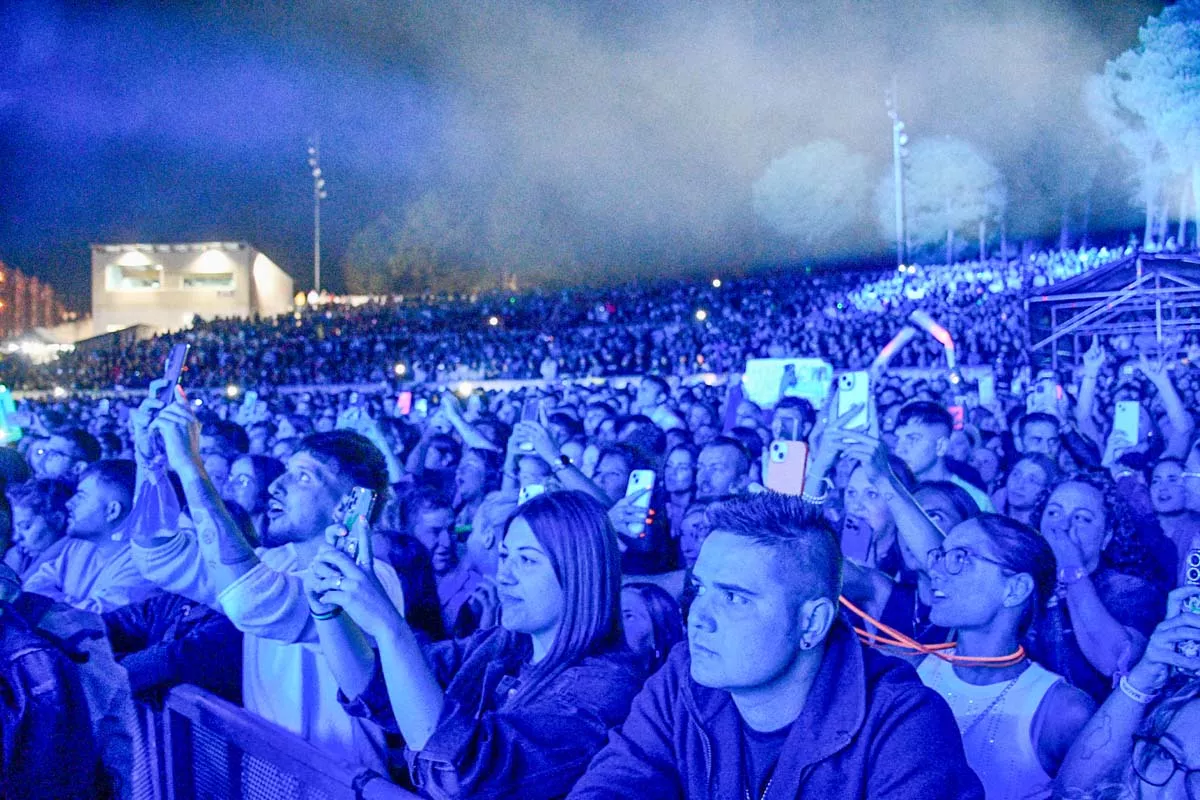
[[1144, 742], [1017, 719], [513, 711], [1108, 592]]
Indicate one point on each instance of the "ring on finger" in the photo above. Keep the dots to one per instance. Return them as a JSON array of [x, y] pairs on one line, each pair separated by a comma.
[[338, 583]]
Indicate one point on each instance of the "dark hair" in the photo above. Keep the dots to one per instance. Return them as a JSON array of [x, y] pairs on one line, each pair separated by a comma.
[[749, 439], [116, 473], [1129, 550], [573, 426], [45, 497], [728, 441], [807, 412], [414, 568], [581, 546], [787, 523], [960, 500], [666, 622], [86, 447], [1037, 416], [350, 454], [444, 443], [923, 412], [493, 466], [629, 455], [232, 440], [266, 471], [645, 437], [416, 502], [300, 424], [1021, 549], [1043, 461]]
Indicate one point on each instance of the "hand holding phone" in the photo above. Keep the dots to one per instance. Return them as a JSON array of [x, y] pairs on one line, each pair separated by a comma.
[[176, 361], [357, 508], [638, 490], [854, 389], [787, 463]]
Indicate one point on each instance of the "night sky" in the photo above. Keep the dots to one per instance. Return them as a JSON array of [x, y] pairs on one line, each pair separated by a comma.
[[630, 132]]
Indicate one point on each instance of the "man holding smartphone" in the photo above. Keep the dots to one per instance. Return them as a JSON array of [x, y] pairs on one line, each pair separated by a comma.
[[285, 679]]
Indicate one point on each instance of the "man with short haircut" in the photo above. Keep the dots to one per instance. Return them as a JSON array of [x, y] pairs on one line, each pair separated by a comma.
[[772, 694], [94, 571], [722, 468], [285, 678], [1038, 432], [922, 436], [66, 454]]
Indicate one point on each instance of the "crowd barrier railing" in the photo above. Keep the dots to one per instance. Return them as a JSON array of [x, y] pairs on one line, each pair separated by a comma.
[[200, 747]]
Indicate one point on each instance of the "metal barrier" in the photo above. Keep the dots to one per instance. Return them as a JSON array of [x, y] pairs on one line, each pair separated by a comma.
[[200, 747]]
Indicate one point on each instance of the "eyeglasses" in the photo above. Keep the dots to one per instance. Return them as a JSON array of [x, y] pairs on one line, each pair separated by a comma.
[[955, 560], [1155, 765]]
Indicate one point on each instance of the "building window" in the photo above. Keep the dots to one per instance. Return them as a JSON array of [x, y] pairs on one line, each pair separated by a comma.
[[208, 280], [121, 278]]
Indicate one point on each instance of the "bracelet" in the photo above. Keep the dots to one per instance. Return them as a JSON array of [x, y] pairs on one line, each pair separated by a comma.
[[827, 484], [1066, 578], [322, 617], [1135, 694]]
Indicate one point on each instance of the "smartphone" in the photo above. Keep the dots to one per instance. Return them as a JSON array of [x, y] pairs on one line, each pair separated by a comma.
[[854, 389], [1126, 419], [787, 462], [531, 411], [361, 503], [529, 492], [404, 403], [1043, 399], [789, 429], [104, 406], [1191, 605], [640, 480], [987, 389], [176, 360], [354, 398], [958, 415], [421, 406]]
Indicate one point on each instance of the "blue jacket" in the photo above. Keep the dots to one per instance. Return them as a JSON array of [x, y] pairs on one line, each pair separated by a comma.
[[868, 730], [486, 747]]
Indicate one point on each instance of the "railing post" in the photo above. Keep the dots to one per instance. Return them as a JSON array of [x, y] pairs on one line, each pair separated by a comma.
[[179, 750]]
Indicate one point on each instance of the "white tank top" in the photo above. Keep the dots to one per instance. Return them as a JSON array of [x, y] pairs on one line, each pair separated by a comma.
[[996, 721]]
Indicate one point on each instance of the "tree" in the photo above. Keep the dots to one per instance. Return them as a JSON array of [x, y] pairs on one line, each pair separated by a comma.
[[813, 194], [950, 189], [366, 266], [1148, 99]]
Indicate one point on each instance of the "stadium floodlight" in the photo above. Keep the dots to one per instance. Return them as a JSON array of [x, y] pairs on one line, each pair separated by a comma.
[[314, 164]]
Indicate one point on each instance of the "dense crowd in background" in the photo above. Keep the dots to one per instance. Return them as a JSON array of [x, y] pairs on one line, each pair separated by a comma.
[[647, 587]]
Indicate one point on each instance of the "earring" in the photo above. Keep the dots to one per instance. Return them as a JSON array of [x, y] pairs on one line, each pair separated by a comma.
[[805, 644]]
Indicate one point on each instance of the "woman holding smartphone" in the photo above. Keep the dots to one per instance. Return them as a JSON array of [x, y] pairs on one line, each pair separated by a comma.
[[517, 710]]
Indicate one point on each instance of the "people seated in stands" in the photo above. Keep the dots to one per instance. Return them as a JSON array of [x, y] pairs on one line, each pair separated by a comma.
[[1144, 742], [513, 711], [94, 570], [773, 694], [39, 523], [285, 680], [1017, 719]]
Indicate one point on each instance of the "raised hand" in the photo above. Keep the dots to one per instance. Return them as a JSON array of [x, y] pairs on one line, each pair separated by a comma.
[[140, 420], [339, 581], [1094, 358], [180, 432], [1161, 656]]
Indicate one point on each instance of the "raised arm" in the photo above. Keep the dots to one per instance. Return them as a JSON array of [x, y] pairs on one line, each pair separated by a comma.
[[1182, 423], [1104, 750], [568, 475], [1093, 361]]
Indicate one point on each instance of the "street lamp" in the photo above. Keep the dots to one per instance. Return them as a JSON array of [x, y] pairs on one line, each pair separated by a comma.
[[899, 151], [314, 165]]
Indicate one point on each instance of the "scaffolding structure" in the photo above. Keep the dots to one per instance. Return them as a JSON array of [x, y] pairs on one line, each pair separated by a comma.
[[1142, 295]]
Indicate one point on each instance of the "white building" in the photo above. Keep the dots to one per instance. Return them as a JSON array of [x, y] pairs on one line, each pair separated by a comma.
[[166, 286]]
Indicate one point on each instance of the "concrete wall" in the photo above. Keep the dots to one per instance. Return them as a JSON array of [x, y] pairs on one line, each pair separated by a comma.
[[167, 286]]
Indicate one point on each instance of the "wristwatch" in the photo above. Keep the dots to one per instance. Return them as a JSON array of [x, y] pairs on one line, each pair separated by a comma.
[[563, 463]]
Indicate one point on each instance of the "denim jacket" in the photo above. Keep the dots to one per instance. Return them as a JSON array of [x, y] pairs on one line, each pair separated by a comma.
[[868, 730], [486, 747]]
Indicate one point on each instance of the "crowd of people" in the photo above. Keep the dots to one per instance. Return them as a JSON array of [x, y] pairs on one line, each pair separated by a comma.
[[641, 588]]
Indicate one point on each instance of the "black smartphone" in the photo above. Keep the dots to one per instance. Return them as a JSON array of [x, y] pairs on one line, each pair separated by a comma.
[[176, 361]]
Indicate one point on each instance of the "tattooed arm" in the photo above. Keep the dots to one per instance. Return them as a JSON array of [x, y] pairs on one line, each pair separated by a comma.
[[226, 553], [1104, 750]]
